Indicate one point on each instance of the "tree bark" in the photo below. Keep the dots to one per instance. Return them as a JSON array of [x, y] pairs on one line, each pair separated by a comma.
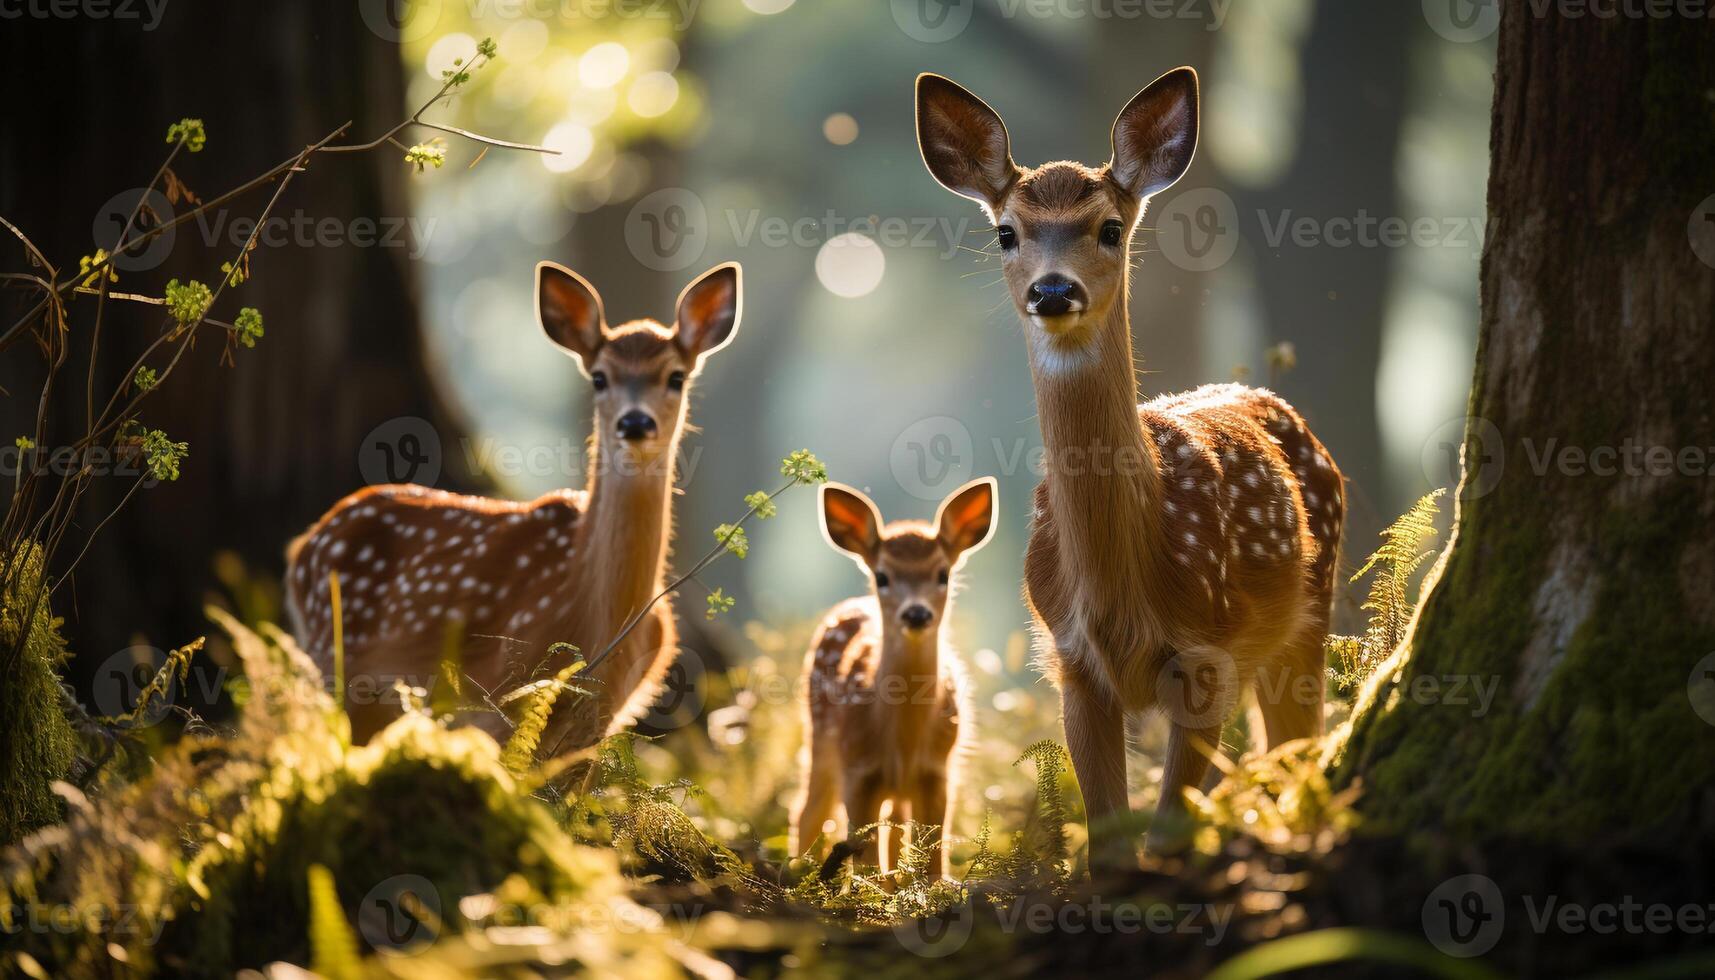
[[275, 439], [1580, 581]]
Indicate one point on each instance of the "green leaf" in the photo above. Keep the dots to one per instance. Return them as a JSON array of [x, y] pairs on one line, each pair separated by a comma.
[[145, 378], [333, 946], [719, 602], [189, 130], [249, 325], [188, 302], [803, 467]]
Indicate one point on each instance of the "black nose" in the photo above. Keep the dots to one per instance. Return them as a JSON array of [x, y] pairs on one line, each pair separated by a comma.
[[636, 424], [916, 616], [1053, 295]]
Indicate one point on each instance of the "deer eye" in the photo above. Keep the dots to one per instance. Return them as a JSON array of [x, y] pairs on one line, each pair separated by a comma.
[[881, 580], [676, 381], [942, 578], [1008, 237], [1112, 231], [599, 380]]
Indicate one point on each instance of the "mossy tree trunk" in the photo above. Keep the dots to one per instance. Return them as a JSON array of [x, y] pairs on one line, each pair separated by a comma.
[[1580, 582]]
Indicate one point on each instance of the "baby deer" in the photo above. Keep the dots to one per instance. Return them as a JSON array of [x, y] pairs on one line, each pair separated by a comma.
[[884, 689], [1181, 549], [514, 579]]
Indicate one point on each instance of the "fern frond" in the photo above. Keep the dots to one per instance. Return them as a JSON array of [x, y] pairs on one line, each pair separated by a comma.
[[520, 750], [1396, 563], [333, 947]]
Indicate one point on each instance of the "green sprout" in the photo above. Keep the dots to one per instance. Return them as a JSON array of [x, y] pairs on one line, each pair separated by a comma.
[[190, 131], [235, 274], [249, 326], [86, 267], [188, 302], [719, 602], [163, 454], [24, 443], [733, 538], [433, 153], [762, 504], [145, 379], [803, 467]]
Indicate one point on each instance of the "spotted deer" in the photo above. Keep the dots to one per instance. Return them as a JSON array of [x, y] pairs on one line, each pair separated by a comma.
[[1183, 549], [514, 580], [884, 691]]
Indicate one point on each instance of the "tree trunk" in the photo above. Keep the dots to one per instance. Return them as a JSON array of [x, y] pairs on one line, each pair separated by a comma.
[[277, 438], [1580, 582]]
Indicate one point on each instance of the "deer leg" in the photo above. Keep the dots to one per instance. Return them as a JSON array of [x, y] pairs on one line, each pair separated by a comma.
[[816, 797], [931, 805], [1095, 737], [1188, 753], [1292, 708], [863, 808]]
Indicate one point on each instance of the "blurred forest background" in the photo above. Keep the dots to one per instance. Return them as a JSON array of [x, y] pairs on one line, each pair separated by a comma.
[[778, 134]]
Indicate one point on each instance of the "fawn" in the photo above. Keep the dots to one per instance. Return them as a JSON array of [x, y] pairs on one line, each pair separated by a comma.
[[1182, 549], [884, 689], [514, 579]]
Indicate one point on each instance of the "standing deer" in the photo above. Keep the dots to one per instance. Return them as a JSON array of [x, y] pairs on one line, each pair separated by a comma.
[[514, 579], [884, 689], [1181, 549]]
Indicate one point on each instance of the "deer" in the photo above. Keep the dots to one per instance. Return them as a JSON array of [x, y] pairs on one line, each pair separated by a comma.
[[1181, 550], [527, 586], [886, 704]]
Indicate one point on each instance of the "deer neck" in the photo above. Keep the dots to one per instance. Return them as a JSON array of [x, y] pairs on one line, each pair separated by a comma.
[[907, 688], [1103, 473], [627, 531]]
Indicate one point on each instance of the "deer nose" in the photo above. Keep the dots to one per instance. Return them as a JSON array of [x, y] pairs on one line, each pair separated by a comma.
[[1054, 294], [916, 616], [636, 424]]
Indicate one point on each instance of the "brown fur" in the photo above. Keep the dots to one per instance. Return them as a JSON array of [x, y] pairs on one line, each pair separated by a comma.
[[882, 704], [1180, 549], [506, 581]]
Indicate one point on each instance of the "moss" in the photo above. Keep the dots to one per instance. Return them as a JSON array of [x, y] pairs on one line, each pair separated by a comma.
[[418, 801], [38, 746], [1610, 747]]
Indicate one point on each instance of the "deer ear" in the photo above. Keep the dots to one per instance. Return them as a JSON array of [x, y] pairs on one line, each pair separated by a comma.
[[569, 310], [1156, 134], [963, 142], [708, 310], [850, 522], [965, 521]]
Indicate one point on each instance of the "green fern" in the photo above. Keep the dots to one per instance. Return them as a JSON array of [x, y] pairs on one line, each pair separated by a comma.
[[1396, 563], [520, 750], [333, 947], [1050, 759]]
